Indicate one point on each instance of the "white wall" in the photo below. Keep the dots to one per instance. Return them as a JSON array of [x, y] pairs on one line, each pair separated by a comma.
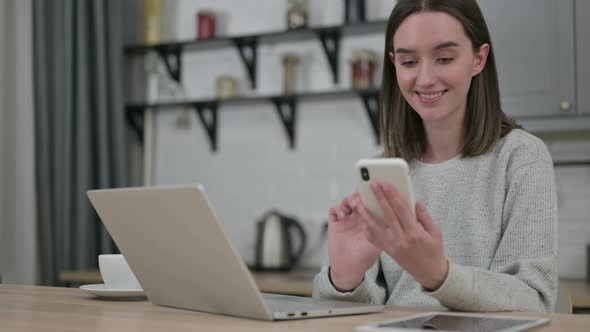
[[253, 169], [18, 259]]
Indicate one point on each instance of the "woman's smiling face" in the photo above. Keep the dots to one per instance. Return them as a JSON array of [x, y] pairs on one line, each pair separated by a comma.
[[434, 62]]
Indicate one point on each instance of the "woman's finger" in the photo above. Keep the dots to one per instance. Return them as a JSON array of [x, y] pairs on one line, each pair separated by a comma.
[[368, 218], [343, 209], [374, 230], [401, 207], [333, 215], [351, 201], [389, 217]]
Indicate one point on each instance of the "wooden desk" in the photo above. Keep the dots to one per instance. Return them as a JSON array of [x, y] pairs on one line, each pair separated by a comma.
[[35, 308], [293, 283], [300, 283]]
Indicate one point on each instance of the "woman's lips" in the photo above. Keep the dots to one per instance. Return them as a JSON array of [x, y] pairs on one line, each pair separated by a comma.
[[430, 97]]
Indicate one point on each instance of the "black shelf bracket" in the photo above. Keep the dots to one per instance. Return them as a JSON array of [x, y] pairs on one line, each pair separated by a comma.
[[330, 39], [371, 102], [248, 47], [173, 60], [135, 121], [559, 163], [209, 121], [286, 108]]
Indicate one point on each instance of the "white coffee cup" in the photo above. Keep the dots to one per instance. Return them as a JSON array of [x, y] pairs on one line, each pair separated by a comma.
[[116, 273]]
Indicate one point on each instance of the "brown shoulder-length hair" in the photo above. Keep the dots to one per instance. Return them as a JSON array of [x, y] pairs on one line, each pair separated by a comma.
[[402, 129]]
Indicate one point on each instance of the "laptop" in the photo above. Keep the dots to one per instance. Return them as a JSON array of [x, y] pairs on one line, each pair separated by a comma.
[[183, 258]]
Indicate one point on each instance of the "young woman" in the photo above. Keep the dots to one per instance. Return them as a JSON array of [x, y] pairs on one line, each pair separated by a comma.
[[485, 234]]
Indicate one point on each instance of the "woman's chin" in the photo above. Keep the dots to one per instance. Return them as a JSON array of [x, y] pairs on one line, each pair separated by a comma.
[[429, 115]]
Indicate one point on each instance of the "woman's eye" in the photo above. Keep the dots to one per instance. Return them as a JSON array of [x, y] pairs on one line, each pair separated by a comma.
[[408, 63], [445, 60]]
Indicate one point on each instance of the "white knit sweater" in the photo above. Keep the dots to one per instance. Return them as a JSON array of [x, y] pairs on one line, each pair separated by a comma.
[[498, 214]]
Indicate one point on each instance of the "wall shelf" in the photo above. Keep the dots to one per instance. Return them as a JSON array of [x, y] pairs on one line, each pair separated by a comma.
[[247, 45], [285, 106], [247, 48]]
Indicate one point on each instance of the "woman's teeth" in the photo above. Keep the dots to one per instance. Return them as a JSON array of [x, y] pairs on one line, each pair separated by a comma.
[[431, 96]]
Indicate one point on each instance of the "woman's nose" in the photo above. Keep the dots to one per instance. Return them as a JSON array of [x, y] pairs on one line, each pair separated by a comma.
[[426, 76]]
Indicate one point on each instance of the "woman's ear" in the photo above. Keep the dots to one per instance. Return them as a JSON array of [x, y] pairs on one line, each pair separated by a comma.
[[481, 57], [391, 57]]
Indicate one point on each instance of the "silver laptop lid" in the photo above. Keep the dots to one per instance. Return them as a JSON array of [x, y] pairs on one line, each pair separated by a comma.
[[179, 252]]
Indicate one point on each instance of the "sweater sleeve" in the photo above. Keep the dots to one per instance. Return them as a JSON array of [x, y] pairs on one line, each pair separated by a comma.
[[523, 274], [372, 290]]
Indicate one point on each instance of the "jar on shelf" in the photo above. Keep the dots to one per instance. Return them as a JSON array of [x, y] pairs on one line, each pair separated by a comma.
[[153, 13], [297, 14], [206, 24], [290, 62], [225, 87], [363, 63]]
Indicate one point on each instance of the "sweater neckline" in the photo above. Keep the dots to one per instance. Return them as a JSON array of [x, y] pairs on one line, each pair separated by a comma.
[[441, 164]]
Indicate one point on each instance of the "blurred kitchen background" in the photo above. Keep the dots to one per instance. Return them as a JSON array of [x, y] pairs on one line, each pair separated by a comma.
[[319, 62]]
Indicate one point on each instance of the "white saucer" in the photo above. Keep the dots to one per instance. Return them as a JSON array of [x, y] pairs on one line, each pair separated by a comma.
[[102, 291]]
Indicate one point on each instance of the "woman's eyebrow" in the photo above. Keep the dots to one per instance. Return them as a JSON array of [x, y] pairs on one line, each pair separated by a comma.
[[446, 45], [437, 47]]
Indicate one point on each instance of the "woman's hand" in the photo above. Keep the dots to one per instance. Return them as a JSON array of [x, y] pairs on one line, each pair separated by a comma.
[[415, 243], [351, 254]]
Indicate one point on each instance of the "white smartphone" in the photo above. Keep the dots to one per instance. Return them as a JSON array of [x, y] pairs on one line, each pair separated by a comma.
[[392, 170]]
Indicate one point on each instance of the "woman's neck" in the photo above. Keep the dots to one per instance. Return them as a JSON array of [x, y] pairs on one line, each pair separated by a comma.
[[443, 143]]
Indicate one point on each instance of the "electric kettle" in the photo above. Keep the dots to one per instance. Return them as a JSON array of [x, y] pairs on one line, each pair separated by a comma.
[[275, 248]]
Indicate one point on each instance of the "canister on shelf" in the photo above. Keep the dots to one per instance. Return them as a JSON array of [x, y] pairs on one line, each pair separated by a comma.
[[363, 65], [290, 62], [297, 14], [225, 87], [205, 24]]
